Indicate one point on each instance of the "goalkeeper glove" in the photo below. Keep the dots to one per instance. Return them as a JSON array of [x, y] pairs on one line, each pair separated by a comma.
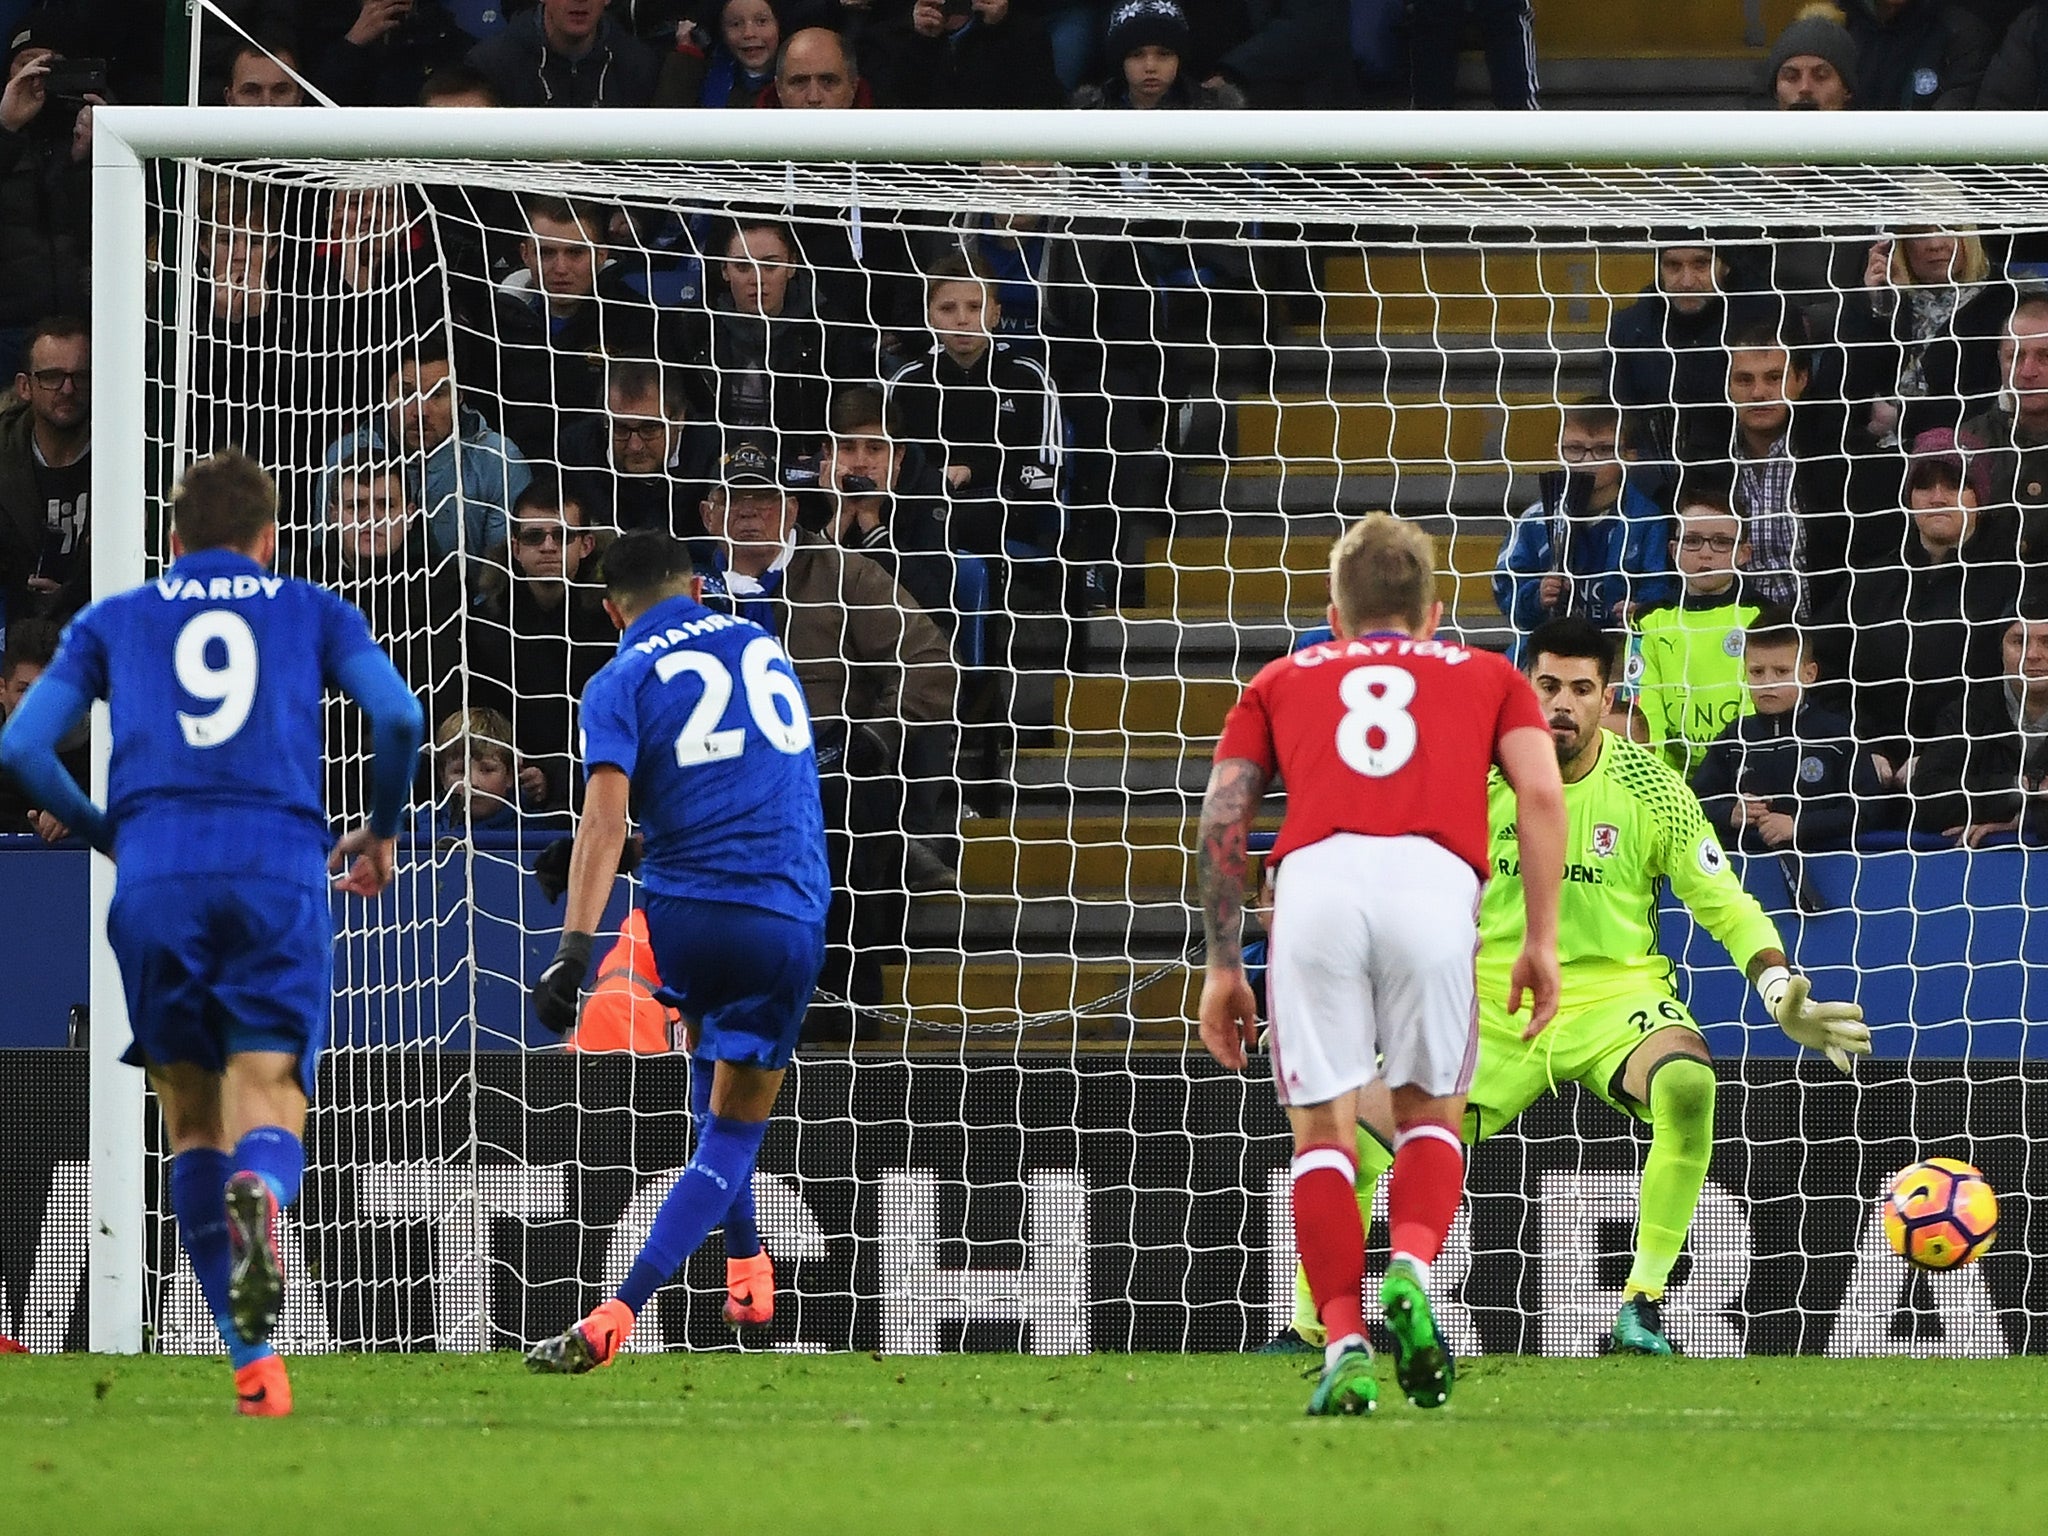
[[555, 994], [551, 869], [1836, 1029]]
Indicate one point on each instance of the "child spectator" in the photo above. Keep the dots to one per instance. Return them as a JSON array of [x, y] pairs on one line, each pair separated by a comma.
[[1788, 775], [478, 782], [1594, 545], [1148, 42], [989, 418], [1686, 662], [733, 69]]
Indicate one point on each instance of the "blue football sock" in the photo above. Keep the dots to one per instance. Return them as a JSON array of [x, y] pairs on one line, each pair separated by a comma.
[[723, 1164], [276, 1156], [742, 1232], [199, 1180]]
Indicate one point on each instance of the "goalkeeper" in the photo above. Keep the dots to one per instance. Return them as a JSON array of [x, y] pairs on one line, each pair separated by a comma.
[[1621, 1031]]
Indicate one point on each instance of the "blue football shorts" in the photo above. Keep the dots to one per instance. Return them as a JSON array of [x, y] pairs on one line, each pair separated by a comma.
[[215, 967], [745, 975]]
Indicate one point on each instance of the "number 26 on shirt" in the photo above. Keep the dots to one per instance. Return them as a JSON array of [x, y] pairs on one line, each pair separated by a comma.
[[774, 699]]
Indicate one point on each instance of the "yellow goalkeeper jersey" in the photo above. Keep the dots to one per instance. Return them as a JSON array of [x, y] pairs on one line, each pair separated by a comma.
[[1631, 823]]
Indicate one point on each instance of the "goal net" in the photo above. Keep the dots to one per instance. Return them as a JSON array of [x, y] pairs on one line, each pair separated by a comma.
[[1098, 404]]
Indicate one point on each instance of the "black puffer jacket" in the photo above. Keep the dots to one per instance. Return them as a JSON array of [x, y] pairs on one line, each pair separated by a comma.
[[45, 222]]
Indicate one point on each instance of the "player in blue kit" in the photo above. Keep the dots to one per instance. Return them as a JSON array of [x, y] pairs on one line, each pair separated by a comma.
[[213, 675], [700, 724]]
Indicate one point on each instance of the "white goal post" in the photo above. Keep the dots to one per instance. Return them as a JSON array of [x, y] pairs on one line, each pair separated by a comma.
[[1586, 172]]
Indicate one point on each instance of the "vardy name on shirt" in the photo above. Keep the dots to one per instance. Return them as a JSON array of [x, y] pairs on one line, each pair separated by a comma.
[[216, 588]]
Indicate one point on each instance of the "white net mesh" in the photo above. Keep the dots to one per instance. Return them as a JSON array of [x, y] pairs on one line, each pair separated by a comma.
[[1103, 517]]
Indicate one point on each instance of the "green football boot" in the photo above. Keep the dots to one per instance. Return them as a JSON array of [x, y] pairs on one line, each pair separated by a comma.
[[1422, 1361], [1639, 1328], [1347, 1384]]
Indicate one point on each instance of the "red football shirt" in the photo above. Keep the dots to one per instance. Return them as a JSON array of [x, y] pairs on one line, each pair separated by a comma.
[[1384, 736]]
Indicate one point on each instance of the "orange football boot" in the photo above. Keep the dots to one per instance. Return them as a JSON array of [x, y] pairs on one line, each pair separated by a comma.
[[593, 1342], [262, 1390], [750, 1290]]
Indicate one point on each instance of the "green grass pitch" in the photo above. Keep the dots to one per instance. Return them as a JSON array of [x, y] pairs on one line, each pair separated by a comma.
[[1214, 1445]]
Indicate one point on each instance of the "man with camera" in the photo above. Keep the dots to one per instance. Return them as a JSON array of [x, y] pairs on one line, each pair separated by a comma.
[[392, 46], [973, 53], [45, 180]]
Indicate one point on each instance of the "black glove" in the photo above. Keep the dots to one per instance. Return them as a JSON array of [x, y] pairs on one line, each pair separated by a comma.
[[551, 869], [555, 994]]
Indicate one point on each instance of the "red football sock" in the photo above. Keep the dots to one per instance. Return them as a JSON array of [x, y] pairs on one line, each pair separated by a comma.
[[1429, 1180], [1330, 1237]]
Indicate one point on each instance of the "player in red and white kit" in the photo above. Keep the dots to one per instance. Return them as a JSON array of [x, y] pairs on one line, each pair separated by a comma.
[[1385, 738]]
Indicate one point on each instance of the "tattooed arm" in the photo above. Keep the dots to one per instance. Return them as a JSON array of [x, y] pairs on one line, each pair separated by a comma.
[[1236, 786], [1229, 1016]]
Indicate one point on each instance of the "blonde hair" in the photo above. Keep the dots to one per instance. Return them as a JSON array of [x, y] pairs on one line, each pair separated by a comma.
[[480, 733], [1382, 568], [1972, 263]]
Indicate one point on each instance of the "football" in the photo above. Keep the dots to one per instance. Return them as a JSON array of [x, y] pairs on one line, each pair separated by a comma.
[[1940, 1213]]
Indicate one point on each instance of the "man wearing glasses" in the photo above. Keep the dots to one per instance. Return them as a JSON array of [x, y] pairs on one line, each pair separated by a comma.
[[1594, 546], [46, 476], [536, 640], [644, 464]]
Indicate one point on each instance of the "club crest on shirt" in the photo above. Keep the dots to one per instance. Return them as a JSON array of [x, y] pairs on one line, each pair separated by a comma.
[[1606, 838], [1811, 770], [1732, 643]]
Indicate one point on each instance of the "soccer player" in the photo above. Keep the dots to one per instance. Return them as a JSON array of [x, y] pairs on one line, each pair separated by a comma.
[[1384, 737], [213, 676], [1621, 1031], [700, 724]]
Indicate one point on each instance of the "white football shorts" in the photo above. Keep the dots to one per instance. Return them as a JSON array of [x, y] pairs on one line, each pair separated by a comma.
[[1369, 968]]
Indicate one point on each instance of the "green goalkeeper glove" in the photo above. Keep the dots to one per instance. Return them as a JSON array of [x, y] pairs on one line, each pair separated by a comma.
[[1837, 1029]]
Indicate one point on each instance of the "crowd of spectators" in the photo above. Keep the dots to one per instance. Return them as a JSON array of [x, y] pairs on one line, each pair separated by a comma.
[[1807, 492]]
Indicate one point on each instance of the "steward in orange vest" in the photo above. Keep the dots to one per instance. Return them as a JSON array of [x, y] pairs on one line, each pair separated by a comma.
[[622, 1012]]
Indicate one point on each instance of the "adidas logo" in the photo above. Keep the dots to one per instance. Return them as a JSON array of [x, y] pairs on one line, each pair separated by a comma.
[[1007, 406]]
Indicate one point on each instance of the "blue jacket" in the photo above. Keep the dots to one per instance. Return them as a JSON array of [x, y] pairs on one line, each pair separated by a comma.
[[1624, 556], [465, 516]]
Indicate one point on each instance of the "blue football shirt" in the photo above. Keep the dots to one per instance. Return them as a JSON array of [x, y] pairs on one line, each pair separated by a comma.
[[213, 675], [705, 716]]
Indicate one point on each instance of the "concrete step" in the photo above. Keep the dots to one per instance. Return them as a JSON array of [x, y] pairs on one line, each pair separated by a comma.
[[1440, 432], [1459, 497], [1600, 27], [1139, 712], [1055, 924], [1143, 858], [1537, 291]]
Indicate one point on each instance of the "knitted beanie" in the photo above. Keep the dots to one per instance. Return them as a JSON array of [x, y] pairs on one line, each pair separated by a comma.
[[1134, 24]]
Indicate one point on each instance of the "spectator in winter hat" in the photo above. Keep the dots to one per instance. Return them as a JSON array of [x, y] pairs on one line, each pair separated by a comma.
[[1813, 63], [1148, 41]]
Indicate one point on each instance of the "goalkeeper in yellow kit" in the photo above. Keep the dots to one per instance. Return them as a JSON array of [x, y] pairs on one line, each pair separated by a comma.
[[1621, 1031]]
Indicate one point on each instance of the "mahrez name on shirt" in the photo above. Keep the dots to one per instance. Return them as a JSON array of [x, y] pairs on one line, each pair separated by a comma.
[[216, 588], [711, 623]]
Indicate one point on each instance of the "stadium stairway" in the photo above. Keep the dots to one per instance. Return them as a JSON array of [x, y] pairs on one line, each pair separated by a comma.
[[1428, 387]]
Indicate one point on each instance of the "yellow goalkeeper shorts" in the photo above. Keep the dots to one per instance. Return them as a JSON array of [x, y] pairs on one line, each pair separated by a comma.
[[1588, 1043]]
